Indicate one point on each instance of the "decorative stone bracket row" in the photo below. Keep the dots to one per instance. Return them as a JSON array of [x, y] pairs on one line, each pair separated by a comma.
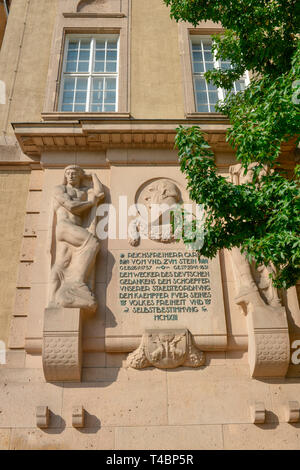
[[165, 349], [257, 412], [43, 417]]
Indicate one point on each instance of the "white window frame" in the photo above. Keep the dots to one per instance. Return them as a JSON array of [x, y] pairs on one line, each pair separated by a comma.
[[90, 74], [197, 38]]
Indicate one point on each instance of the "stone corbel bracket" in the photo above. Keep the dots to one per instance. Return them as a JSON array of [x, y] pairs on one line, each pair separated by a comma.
[[62, 352], [42, 417], [268, 340], [258, 412], [166, 349], [78, 416], [292, 412]]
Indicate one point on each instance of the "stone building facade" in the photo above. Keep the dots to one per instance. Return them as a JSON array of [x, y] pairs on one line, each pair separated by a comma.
[[139, 346]]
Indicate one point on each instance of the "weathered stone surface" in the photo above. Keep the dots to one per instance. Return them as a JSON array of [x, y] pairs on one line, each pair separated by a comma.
[[68, 439], [4, 439], [131, 392], [263, 437], [166, 437]]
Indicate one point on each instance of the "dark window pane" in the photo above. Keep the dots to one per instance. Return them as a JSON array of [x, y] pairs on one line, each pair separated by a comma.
[[202, 108], [201, 97], [99, 67], [110, 97], [69, 84], [197, 56], [86, 44], [80, 108], [111, 55], [211, 86], [68, 97], [83, 66], [111, 66], [209, 65], [71, 66], [96, 108], [100, 45], [98, 84], [67, 107], [213, 97], [196, 47], [109, 108], [110, 84], [200, 84], [80, 97], [100, 55], [208, 57], [72, 55], [84, 55], [198, 67], [97, 97], [81, 84], [112, 45], [73, 45]]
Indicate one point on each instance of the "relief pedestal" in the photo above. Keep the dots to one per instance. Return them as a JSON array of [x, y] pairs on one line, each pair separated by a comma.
[[268, 336], [73, 249], [62, 354], [268, 340]]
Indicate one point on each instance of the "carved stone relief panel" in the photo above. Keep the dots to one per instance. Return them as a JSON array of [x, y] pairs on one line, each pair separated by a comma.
[[268, 338], [73, 248], [166, 349], [157, 283], [163, 192]]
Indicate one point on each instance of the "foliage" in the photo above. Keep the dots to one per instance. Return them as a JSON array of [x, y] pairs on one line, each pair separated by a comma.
[[261, 217]]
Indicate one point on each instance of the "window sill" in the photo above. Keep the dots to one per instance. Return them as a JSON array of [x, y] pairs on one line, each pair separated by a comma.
[[207, 116], [61, 116]]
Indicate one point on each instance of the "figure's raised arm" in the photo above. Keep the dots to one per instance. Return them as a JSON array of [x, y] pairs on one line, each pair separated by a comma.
[[75, 207], [97, 186]]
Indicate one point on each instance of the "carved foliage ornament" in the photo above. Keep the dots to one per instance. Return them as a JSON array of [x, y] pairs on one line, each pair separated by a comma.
[[166, 349]]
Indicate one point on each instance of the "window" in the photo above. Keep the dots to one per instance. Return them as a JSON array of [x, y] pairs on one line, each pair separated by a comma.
[[90, 74], [207, 94]]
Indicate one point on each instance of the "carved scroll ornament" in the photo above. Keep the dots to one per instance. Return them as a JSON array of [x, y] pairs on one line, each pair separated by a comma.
[[166, 349]]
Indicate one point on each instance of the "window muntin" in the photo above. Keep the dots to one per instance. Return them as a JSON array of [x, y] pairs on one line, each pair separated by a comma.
[[90, 74], [203, 59]]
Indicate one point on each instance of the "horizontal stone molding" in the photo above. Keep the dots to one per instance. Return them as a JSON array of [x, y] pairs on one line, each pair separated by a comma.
[[92, 134], [88, 131], [33, 345], [130, 343], [93, 15]]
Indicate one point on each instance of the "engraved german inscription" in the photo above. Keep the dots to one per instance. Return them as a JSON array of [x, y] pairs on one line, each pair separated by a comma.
[[165, 284]]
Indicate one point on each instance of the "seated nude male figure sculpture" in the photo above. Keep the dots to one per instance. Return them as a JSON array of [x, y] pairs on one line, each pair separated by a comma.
[[76, 246]]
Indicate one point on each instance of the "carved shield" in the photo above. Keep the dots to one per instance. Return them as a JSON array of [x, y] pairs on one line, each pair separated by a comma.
[[166, 349]]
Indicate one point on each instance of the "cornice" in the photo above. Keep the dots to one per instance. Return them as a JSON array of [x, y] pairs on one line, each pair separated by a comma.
[[88, 132]]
